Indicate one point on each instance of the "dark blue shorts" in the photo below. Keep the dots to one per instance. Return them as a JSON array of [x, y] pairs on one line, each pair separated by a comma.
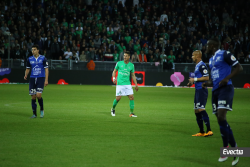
[[222, 98], [200, 98], [36, 85]]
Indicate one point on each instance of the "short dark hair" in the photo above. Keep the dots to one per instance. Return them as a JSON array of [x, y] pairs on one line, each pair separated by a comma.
[[35, 46], [128, 53], [215, 42]]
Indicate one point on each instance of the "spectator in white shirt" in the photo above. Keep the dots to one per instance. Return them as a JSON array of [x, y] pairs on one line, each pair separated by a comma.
[[164, 16], [158, 22], [75, 56], [68, 54]]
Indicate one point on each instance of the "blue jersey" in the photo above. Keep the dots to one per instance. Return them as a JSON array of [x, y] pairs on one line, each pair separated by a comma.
[[200, 71], [220, 65], [37, 66]]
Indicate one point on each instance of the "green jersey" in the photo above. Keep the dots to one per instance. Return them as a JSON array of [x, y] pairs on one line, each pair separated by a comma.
[[124, 71]]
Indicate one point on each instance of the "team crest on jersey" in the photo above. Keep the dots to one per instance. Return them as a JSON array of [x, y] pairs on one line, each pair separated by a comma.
[[40, 61], [205, 71], [233, 58]]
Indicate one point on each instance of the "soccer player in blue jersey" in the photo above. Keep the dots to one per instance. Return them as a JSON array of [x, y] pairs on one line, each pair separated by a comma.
[[223, 91], [200, 98], [38, 66]]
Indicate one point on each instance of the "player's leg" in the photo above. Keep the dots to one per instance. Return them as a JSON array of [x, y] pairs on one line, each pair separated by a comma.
[[34, 106], [39, 91], [115, 102], [203, 94], [215, 111], [129, 92], [32, 92], [205, 118], [200, 123], [40, 101], [225, 101], [131, 105], [221, 117], [119, 93], [198, 115]]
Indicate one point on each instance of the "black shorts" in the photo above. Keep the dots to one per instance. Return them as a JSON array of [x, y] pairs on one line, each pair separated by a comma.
[[200, 98], [222, 98], [36, 85]]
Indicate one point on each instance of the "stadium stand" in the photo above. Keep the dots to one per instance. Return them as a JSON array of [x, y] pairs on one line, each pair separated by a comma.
[[101, 27]]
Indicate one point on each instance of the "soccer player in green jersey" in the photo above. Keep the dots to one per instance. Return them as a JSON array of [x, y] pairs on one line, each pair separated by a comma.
[[123, 87]]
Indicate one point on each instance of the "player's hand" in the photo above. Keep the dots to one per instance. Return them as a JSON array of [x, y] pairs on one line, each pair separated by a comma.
[[46, 83], [114, 80], [204, 85], [191, 80], [136, 88], [223, 82], [189, 84], [25, 77]]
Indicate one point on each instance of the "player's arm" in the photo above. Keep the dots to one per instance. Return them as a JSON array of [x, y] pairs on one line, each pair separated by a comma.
[[46, 77], [207, 83], [46, 67], [205, 76], [201, 79], [113, 75], [135, 81], [27, 71], [231, 60]]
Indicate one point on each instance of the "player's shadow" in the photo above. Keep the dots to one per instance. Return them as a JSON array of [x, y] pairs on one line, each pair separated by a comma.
[[18, 114]]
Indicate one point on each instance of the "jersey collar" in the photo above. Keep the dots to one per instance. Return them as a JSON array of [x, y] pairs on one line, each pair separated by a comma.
[[199, 63], [216, 53], [37, 57]]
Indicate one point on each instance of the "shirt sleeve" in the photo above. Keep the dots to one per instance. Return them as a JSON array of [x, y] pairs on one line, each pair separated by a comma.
[[116, 66], [203, 70], [45, 63], [133, 69], [28, 63], [230, 59]]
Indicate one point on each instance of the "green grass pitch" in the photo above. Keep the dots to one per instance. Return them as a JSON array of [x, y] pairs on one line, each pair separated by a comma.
[[79, 131]]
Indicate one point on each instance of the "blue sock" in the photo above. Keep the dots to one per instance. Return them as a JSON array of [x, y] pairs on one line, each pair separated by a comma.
[[199, 121], [40, 101], [206, 119], [33, 104], [231, 140], [224, 130]]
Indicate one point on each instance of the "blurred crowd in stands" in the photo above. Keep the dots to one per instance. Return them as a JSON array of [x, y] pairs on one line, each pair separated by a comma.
[[102, 30]]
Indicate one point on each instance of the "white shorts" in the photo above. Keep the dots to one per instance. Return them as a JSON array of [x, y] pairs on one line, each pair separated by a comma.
[[124, 90]]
